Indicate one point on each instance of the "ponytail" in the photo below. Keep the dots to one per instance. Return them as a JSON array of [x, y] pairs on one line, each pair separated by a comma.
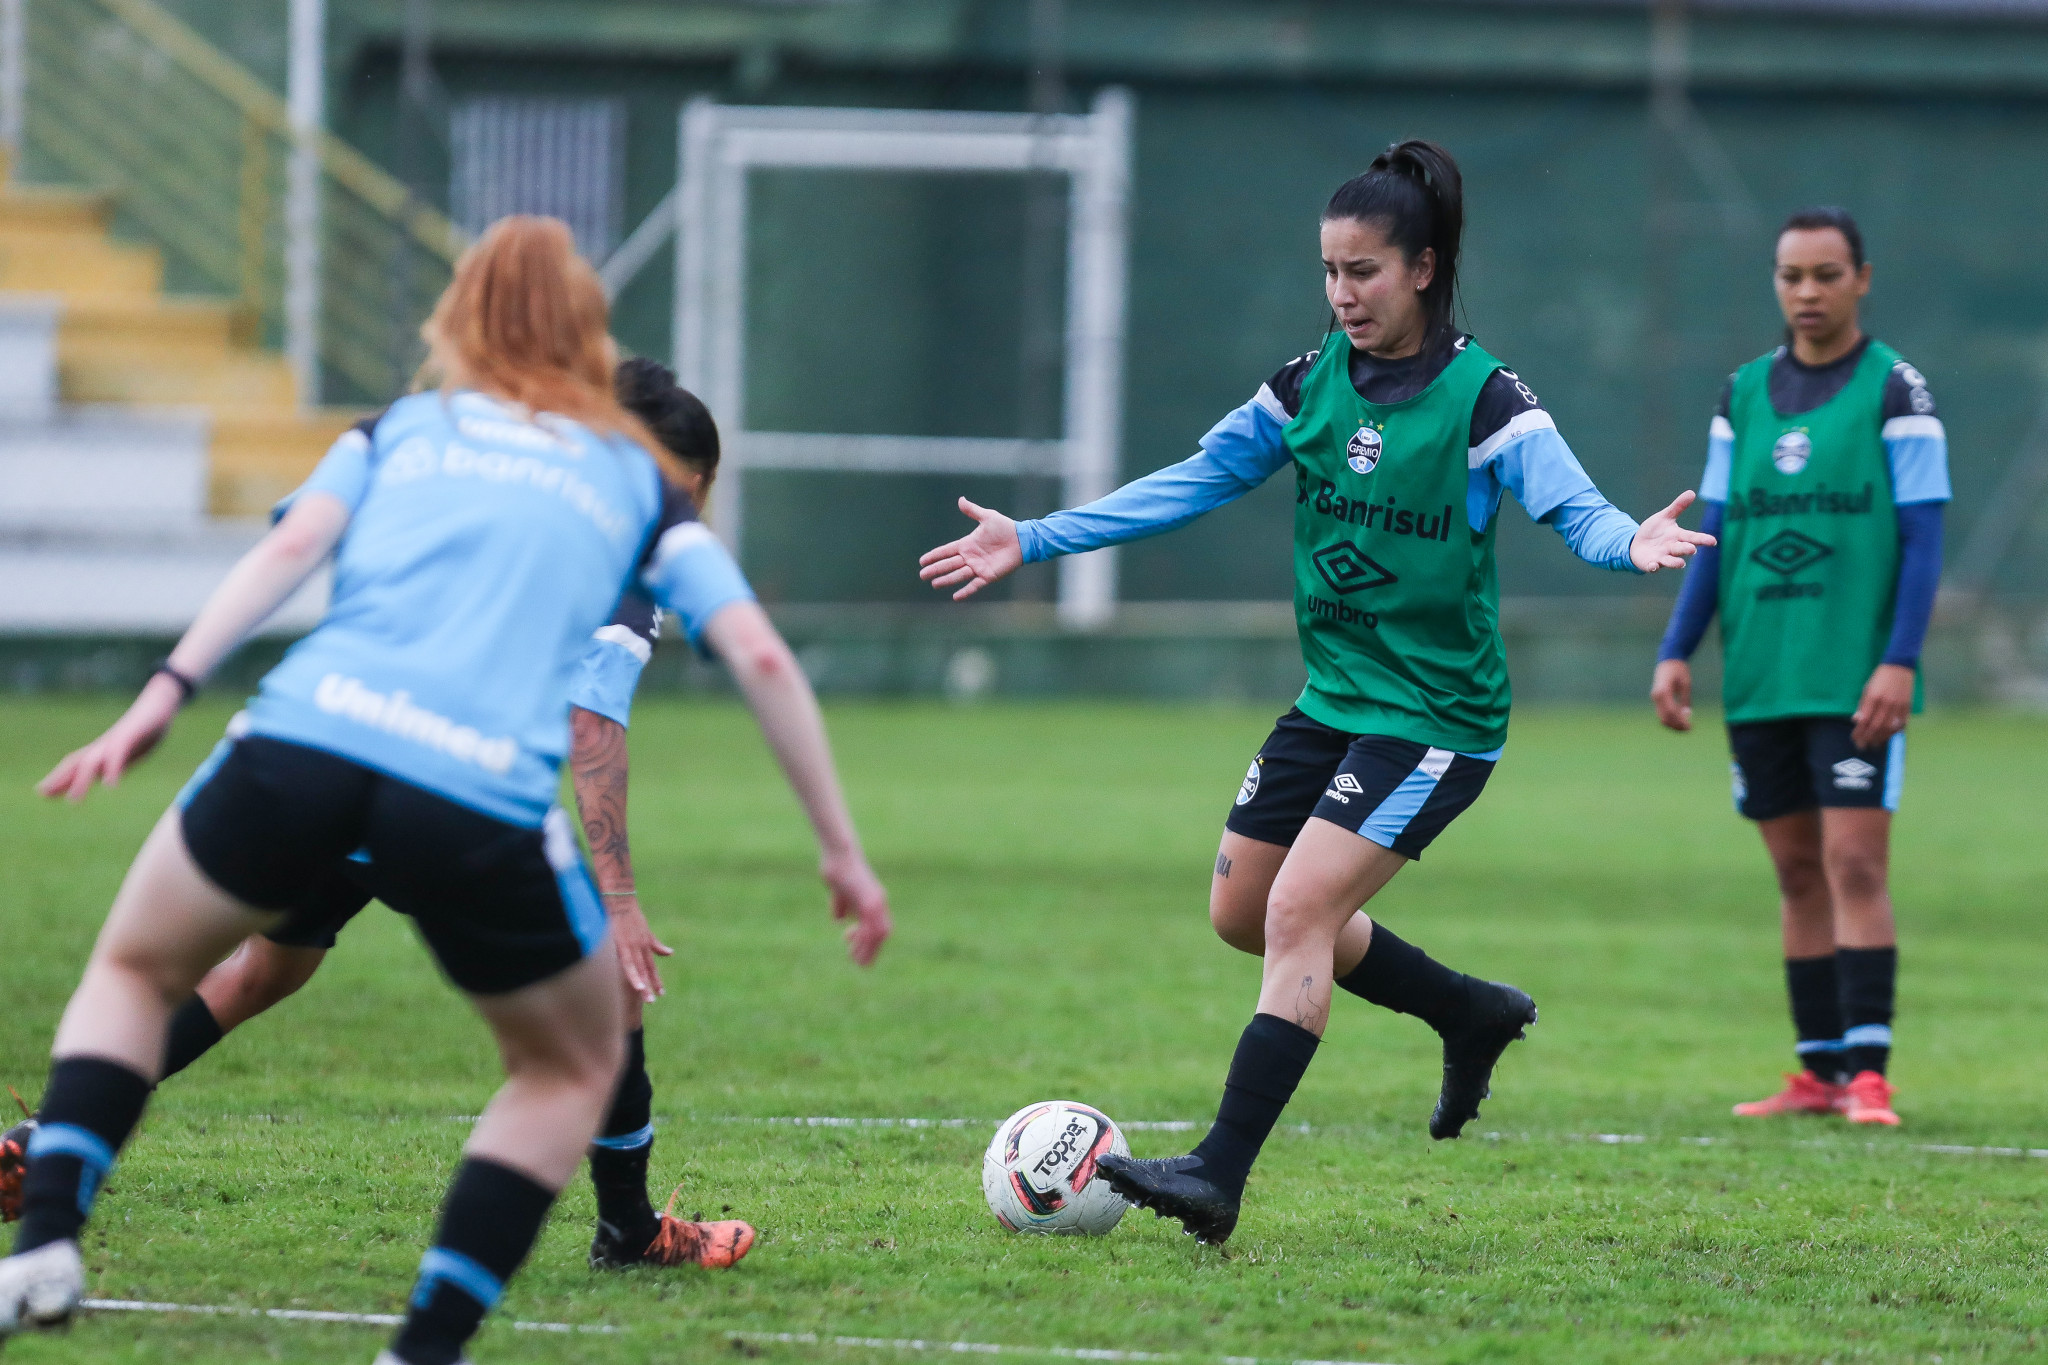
[[1413, 193]]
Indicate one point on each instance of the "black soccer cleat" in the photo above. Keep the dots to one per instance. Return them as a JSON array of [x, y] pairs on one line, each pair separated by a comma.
[[1498, 1015], [1170, 1188]]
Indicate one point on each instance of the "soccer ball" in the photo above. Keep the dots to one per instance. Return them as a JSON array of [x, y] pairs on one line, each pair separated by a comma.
[[1039, 1174]]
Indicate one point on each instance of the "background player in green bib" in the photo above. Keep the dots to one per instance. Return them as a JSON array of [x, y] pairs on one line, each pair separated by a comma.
[[1827, 470], [1403, 435]]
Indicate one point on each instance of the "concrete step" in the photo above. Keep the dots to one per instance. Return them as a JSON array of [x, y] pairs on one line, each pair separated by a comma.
[[261, 454], [90, 585], [78, 266], [103, 471]]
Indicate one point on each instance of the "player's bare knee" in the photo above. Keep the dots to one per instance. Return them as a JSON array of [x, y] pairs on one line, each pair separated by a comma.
[[1241, 925], [1801, 876], [1293, 921], [1854, 875]]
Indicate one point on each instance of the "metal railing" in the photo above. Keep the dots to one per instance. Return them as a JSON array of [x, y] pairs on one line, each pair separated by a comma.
[[122, 96]]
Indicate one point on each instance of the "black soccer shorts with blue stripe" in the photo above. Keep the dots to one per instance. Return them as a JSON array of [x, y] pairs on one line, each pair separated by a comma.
[[1398, 793]]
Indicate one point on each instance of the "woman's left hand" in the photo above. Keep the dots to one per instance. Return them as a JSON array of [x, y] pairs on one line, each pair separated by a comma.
[[126, 742], [1661, 543], [1887, 702]]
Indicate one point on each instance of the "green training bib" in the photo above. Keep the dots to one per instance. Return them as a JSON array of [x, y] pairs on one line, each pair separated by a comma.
[[1809, 548], [1395, 597]]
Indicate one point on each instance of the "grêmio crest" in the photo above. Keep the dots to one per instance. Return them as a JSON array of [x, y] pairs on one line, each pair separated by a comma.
[[1363, 450]]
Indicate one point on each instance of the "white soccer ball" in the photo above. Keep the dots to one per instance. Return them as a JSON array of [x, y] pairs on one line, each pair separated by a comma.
[[1039, 1174]]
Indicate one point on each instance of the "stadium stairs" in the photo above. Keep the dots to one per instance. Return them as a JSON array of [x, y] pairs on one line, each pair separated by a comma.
[[141, 438]]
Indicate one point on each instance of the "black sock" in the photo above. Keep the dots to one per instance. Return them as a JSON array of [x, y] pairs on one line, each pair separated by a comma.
[[193, 1031], [1271, 1056], [88, 1111], [489, 1223], [1816, 1014], [1869, 976], [1399, 976], [618, 1155]]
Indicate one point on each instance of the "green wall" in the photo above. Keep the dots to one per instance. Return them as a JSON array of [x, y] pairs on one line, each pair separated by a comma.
[[890, 303]]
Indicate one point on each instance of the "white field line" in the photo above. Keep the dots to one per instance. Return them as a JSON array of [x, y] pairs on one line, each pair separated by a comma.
[[1190, 1125], [983, 1348], [310, 1315]]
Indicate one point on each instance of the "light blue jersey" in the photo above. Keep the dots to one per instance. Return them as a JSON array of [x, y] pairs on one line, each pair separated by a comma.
[[483, 552]]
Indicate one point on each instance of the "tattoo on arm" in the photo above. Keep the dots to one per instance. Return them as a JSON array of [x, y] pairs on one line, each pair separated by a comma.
[[1223, 866], [597, 770]]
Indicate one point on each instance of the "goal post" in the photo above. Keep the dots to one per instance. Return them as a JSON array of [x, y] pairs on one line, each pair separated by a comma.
[[720, 143]]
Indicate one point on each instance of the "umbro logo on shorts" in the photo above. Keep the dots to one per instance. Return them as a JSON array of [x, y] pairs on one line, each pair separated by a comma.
[[1344, 788], [1853, 774]]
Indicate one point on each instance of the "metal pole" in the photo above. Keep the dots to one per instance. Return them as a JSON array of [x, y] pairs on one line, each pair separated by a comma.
[[1046, 187], [306, 96], [13, 79], [1096, 287]]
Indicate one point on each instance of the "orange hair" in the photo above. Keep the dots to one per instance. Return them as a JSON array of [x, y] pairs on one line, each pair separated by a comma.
[[525, 319]]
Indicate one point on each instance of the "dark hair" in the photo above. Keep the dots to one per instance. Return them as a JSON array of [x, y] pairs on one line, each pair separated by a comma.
[[1414, 194], [1838, 219], [679, 420]]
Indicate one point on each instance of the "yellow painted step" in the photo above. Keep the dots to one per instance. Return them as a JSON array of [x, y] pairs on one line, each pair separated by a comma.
[[248, 379], [36, 209], [77, 265], [261, 454], [149, 326]]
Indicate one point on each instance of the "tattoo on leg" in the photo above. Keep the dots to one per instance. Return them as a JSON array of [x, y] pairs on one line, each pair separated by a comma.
[[1223, 865], [1306, 1012]]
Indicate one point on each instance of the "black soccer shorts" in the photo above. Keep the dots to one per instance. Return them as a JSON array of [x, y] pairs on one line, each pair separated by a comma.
[[1782, 767], [500, 906], [336, 895], [1396, 792]]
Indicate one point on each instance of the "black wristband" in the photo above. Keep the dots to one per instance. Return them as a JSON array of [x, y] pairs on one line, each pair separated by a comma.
[[186, 686]]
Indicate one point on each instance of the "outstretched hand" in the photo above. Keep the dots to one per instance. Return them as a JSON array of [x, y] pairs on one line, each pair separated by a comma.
[[989, 552], [857, 895], [1661, 543], [126, 742]]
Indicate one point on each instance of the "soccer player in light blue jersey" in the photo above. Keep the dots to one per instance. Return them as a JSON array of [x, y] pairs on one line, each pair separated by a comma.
[[269, 968], [481, 535]]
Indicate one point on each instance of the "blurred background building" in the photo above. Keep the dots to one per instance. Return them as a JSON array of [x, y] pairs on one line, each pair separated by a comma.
[[1626, 167]]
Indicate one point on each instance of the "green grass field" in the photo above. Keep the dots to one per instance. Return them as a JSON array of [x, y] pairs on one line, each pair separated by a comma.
[[1049, 867]]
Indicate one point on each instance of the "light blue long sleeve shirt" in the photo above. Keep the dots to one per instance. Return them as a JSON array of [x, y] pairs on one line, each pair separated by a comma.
[[1527, 458]]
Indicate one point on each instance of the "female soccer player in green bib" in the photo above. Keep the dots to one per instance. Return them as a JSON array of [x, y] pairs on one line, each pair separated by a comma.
[[1827, 469], [1403, 435]]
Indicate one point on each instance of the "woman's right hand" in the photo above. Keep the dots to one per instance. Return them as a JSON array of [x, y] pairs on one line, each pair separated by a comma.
[[126, 742], [989, 552], [1671, 693], [858, 897]]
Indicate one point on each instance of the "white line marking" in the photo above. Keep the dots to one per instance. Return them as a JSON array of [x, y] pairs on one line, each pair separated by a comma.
[[983, 1348], [311, 1315], [1190, 1125]]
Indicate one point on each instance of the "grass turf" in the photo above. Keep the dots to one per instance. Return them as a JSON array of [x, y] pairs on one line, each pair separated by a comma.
[[1049, 867]]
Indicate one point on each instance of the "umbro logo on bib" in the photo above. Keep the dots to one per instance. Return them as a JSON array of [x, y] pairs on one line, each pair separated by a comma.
[[1364, 450]]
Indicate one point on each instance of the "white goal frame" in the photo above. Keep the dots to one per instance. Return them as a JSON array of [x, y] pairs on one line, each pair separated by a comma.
[[720, 143]]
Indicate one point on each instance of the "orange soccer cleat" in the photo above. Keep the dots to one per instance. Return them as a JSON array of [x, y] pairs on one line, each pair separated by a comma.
[[677, 1241], [1804, 1093], [1868, 1099], [13, 1166]]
